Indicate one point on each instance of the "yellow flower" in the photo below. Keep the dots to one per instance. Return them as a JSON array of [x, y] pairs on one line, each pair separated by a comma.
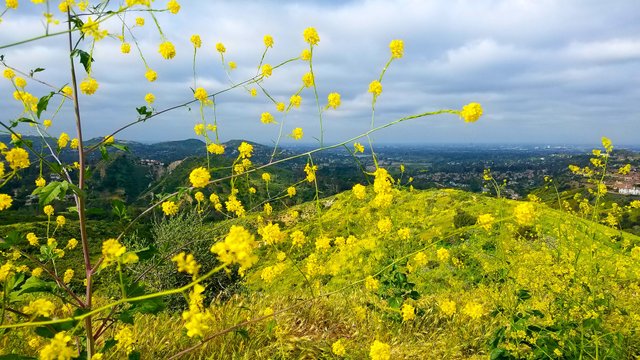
[[473, 310], [245, 149], [125, 340], [46, 123], [266, 177], [253, 92], [268, 41], [295, 100], [267, 70], [232, 65], [408, 312], [63, 140], [215, 149], [58, 348], [75, 143], [375, 87], [297, 133], [371, 283], [89, 86], [305, 55], [525, 214], [32, 239], [109, 139], [199, 129], [448, 307], [443, 254], [186, 263], [606, 143], [199, 177], [61, 221], [237, 248], [92, 28], [268, 209], [125, 48], [200, 94], [404, 234], [39, 307], [471, 112], [323, 243], [169, 208], [196, 41], [151, 75], [311, 172], [139, 21], [20, 82], [72, 243], [486, 221], [291, 191], [150, 98], [311, 36], [307, 79], [48, 210], [359, 191], [297, 238], [380, 351], [112, 249], [385, 225], [357, 147], [40, 182], [8, 74], [271, 233], [267, 118], [397, 48], [167, 50], [338, 348], [220, 48], [37, 272], [67, 90], [173, 6], [280, 106], [68, 275], [333, 100]]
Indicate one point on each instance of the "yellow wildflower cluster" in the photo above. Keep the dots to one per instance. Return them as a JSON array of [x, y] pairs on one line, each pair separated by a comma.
[[382, 186], [237, 248], [186, 263]]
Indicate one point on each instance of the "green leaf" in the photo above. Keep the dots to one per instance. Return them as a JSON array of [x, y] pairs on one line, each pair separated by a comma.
[[523, 294], [43, 103], [121, 147], [243, 333], [85, 59], [108, 345], [50, 331], [104, 153], [149, 306], [36, 70], [33, 285], [53, 190], [134, 355]]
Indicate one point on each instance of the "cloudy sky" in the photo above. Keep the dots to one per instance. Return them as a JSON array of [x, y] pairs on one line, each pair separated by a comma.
[[545, 71]]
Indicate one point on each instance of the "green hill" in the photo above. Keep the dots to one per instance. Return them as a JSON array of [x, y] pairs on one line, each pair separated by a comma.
[[428, 278]]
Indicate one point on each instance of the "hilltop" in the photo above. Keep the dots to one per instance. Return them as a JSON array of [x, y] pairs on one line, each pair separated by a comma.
[[432, 275]]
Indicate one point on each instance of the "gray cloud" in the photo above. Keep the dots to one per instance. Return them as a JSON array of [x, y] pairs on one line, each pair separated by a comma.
[[545, 71]]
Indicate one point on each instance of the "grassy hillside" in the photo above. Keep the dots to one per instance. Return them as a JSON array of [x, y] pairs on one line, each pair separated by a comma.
[[426, 277]]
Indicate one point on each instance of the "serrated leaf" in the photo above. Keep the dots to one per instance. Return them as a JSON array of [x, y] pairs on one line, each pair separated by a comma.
[[49, 192], [43, 103], [85, 59]]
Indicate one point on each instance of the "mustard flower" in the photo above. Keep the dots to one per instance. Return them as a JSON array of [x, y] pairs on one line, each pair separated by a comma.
[[253, 92], [385, 225], [167, 50], [48, 210], [448, 307], [380, 351], [151, 75], [245, 149], [37, 272], [72, 243], [200, 94], [525, 214], [220, 48], [17, 158], [305, 55], [41, 182], [471, 112], [140, 21], [338, 348], [149, 98], [297, 133], [268, 209], [297, 238], [169, 208], [20, 82], [39, 307], [125, 340], [92, 29], [63, 140], [8, 74], [125, 48], [271, 233], [280, 106], [291, 191], [473, 310], [375, 87], [267, 118], [266, 177], [67, 90], [60, 220], [46, 123], [295, 100], [443, 254], [358, 148], [109, 139], [199, 129], [307, 79], [196, 41], [232, 65], [408, 312], [268, 41], [311, 172], [237, 248], [186, 263], [173, 6], [371, 283], [89, 86], [397, 48], [359, 191], [214, 148], [32, 239], [75, 143], [486, 221], [199, 177], [68, 275], [267, 70], [58, 348], [333, 100], [112, 249], [311, 36]]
